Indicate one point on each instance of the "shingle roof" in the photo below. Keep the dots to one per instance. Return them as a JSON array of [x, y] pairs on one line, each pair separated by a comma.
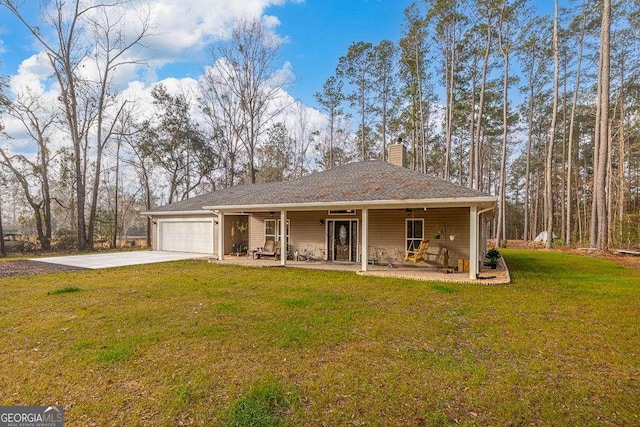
[[369, 181], [213, 198]]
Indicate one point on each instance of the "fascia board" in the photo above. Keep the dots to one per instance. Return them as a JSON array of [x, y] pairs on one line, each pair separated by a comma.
[[175, 213], [372, 204]]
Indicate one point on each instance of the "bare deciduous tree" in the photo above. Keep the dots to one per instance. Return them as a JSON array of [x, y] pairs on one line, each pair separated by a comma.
[[245, 87], [33, 174], [84, 68]]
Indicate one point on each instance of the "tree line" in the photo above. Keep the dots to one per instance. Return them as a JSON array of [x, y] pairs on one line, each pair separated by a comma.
[[540, 110]]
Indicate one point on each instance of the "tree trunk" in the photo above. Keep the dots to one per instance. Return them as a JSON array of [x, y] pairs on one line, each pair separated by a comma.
[[622, 154], [450, 61], [472, 123], [552, 136], [593, 220], [501, 231], [574, 104], [3, 252], [421, 124], [114, 237], [527, 179], [600, 181], [483, 84], [563, 179]]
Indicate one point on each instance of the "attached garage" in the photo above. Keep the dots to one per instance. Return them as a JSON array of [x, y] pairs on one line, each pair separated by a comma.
[[183, 235]]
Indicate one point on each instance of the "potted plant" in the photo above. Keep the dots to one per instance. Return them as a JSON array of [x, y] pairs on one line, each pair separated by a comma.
[[452, 235], [436, 234], [493, 255]]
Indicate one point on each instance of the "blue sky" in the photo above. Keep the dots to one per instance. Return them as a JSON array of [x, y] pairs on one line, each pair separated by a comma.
[[318, 32]]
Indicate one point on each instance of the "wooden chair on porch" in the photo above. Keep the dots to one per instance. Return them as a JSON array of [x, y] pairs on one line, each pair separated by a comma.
[[270, 249], [418, 254]]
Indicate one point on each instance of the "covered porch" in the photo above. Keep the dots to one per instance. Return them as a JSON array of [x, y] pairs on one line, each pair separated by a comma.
[[367, 239]]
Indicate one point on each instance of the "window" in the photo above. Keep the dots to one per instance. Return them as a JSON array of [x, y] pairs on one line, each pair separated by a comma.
[[415, 233], [272, 230]]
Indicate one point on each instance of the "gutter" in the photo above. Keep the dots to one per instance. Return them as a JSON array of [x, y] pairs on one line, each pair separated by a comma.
[[173, 213], [486, 210], [416, 203]]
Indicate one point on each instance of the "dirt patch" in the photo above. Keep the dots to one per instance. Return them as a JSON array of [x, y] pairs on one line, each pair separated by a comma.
[[628, 260], [26, 268]]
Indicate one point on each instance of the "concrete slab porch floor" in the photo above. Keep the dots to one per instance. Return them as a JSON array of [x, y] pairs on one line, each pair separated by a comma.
[[487, 276]]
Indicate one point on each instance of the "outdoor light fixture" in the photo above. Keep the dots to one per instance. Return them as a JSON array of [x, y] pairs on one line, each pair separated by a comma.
[[322, 222]]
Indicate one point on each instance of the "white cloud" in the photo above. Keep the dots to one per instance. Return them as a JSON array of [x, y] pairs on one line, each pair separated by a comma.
[[184, 28], [32, 72], [181, 28], [180, 31]]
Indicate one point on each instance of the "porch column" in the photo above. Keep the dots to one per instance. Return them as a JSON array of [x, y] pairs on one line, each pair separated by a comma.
[[283, 238], [473, 242], [220, 235], [365, 239]]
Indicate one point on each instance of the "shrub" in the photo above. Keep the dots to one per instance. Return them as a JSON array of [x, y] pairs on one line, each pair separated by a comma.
[[65, 239]]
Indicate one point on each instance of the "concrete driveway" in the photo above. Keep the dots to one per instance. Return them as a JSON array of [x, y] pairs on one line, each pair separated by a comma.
[[120, 259]]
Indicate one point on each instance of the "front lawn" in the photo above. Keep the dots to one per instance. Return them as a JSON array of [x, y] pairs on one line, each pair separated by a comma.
[[204, 344]]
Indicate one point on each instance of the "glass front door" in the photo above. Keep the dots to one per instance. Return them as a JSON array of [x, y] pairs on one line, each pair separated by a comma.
[[342, 240]]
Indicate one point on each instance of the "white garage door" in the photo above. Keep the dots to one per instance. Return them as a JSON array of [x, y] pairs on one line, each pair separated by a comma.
[[186, 236]]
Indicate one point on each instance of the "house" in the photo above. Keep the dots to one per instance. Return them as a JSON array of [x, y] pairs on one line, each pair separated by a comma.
[[341, 215]]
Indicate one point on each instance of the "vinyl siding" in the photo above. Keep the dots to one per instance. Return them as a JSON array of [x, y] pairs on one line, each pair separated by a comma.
[[387, 230], [231, 234]]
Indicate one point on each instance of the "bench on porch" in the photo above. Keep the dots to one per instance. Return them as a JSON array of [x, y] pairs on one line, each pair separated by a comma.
[[270, 249]]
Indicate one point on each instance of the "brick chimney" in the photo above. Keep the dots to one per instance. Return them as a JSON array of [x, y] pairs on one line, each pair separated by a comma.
[[398, 154]]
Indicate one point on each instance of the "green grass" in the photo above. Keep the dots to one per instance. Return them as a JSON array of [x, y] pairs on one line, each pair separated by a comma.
[[65, 290], [265, 404], [203, 344]]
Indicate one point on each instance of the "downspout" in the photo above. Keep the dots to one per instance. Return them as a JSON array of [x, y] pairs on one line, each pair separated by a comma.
[[474, 241], [480, 213]]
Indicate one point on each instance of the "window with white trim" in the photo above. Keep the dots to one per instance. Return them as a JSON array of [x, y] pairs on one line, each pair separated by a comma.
[[414, 233], [272, 230]]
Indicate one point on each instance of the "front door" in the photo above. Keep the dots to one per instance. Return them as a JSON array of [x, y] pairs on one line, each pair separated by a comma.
[[343, 240]]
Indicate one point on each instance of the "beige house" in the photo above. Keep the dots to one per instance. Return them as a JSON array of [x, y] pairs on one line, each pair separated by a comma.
[[355, 213]]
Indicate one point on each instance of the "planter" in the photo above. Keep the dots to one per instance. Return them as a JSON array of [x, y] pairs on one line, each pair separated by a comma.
[[452, 237], [436, 236]]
